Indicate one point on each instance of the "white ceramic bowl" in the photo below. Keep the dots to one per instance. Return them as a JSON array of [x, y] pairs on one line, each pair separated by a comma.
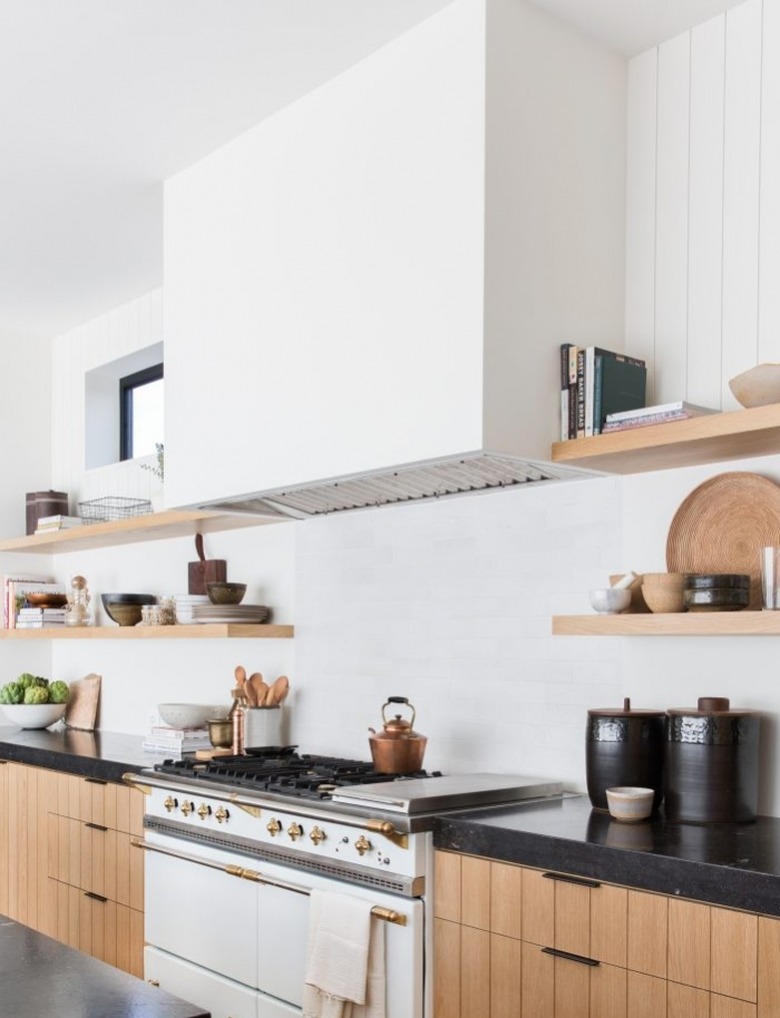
[[33, 715], [630, 804], [190, 715], [609, 600]]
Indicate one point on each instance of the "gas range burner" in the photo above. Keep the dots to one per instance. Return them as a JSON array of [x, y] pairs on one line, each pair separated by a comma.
[[284, 772]]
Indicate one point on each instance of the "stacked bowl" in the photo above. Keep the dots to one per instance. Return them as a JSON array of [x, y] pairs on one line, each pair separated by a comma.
[[724, 592], [185, 605]]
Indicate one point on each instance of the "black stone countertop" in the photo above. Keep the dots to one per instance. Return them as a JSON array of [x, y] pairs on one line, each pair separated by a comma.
[[737, 865], [105, 755], [42, 978]]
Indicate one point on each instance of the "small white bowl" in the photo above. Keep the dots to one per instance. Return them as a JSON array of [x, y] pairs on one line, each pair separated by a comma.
[[610, 600], [630, 804], [189, 715], [33, 715]]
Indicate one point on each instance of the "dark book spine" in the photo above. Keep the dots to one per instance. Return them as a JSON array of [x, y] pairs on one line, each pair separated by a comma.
[[598, 387], [566, 395]]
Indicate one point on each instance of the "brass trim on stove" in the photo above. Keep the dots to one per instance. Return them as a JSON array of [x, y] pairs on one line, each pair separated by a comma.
[[253, 811], [132, 780], [387, 829]]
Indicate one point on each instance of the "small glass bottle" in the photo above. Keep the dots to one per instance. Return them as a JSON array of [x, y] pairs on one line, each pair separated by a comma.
[[77, 610]]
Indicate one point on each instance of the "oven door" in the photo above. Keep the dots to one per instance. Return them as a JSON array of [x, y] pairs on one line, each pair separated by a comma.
[[205, 905]]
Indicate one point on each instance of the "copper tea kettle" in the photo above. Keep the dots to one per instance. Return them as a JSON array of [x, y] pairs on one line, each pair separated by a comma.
[[397, 749]]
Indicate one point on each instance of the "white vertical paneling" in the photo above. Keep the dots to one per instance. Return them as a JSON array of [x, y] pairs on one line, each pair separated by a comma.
[[640, 210], [742, 115], [671, 253], [769, 225], [705, 213]]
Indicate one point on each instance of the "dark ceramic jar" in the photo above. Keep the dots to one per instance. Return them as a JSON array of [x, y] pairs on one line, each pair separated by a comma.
[[711, 763], [624, 747]]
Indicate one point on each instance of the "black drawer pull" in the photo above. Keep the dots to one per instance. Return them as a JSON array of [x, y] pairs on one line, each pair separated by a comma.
[[582, 881], [94, 896], [570, 957], [96, 781], [95, 827]]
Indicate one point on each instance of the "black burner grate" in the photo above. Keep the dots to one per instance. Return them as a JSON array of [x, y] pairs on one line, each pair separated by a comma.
[[282, 771]]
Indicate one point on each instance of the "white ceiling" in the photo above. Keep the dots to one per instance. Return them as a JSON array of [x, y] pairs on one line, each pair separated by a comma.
[[101, 100]]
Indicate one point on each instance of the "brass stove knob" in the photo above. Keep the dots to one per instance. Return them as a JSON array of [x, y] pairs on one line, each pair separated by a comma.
[[273, 827], [317, 836], [363, 845], [170, 803], [187, 808], [204, 811], [221, 814], [294, 831]]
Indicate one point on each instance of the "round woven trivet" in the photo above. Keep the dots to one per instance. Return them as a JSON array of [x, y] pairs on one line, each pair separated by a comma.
[[722, 526]]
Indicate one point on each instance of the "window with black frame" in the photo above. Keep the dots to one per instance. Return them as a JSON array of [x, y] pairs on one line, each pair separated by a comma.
[[141, 412]]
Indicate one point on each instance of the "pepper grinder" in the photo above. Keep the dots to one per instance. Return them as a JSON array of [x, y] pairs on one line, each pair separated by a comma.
[[237, 715]]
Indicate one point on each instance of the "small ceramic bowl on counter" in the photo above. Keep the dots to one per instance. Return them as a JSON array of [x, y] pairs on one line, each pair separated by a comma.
[[630, 804]]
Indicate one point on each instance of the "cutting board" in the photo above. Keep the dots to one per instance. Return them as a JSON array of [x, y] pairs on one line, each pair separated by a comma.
[[81, 711], [205, 570]]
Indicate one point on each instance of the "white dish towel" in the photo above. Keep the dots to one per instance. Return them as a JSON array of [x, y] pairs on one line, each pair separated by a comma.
[[345, 960]]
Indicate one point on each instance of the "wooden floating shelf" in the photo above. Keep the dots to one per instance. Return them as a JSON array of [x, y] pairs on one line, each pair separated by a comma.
[[707, 439], [707, 623], [210, 631], [151, 527]]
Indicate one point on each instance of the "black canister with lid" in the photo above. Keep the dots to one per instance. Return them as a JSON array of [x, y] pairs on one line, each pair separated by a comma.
[[711, 763], [624, 747]]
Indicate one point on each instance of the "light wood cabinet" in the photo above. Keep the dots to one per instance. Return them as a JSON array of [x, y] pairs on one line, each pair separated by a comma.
[[95, 874], [513, 940], [67, 866]]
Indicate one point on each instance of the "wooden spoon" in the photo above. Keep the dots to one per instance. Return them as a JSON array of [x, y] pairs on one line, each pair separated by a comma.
[[278, 691], [259, 689]]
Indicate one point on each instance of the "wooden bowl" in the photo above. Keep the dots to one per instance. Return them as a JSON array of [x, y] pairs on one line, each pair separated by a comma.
[[664, 592]]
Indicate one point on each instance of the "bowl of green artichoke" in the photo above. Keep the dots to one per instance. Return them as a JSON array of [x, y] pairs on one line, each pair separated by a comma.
[[31, 701]]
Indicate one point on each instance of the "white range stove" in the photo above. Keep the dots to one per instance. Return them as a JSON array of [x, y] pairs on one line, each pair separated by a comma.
[[234, 846]]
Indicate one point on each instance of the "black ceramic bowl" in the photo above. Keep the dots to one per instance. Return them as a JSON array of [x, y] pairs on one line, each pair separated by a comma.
[[125, 609]]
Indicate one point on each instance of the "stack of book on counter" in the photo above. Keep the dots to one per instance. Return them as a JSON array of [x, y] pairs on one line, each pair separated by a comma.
[[48, 523], [175, 742], [39, 618], [661, 414], [596, 383]]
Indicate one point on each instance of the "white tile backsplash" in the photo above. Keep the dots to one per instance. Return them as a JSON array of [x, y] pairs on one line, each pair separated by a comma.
[[450, 604]]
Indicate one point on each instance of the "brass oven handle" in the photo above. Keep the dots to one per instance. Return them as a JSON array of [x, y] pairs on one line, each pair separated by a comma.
[[389, 915]]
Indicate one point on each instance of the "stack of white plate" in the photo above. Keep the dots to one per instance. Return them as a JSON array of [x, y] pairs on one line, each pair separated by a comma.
[[185, 606], [230, 613]]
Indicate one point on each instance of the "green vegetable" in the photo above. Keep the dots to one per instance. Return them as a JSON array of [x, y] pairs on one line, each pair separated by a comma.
[[59, 691], [26, 679], [38, 680], [11, 692], [36, 694]]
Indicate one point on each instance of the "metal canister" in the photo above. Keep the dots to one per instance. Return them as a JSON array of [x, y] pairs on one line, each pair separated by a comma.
[[711, 763], [624, 747]]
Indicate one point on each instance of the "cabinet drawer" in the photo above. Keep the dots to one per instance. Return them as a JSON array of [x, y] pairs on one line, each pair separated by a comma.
[[97, 859], [100, 927], [93, 800]]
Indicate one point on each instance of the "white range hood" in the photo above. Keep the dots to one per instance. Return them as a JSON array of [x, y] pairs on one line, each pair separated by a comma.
[[365, 295]]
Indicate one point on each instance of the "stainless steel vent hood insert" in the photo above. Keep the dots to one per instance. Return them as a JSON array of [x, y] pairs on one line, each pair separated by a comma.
[[464, 474]]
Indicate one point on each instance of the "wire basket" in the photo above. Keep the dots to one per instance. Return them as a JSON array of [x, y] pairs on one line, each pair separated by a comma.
[[113, 507]]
